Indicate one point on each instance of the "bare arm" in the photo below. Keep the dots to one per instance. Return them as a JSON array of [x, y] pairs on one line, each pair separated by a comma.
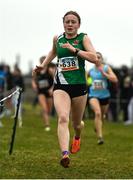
[[110, 75], [51, 55], [89, 54], [34, 85]]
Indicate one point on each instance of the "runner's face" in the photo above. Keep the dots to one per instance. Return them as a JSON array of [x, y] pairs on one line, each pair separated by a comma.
[[100, 59], [71, 25]]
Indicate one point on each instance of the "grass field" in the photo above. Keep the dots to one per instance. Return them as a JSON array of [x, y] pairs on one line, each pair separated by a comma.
[[36, 153]]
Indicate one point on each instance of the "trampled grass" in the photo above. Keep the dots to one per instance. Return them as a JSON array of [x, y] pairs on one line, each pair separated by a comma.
[[36, 153]]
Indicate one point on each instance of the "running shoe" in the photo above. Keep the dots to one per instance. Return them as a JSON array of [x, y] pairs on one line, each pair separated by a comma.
[[75, 147], [47, 128], [65, 161], [100, 141]]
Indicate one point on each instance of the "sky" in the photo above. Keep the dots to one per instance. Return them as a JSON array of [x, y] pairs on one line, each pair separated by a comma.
[[27, 28]]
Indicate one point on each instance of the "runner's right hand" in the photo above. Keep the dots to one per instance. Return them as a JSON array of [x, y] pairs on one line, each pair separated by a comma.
[[37, 69]]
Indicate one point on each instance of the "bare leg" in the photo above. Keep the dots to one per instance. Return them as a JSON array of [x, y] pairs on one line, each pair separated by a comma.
[[62, 104], [43, 103], [98, 116], [104, 109], [78, 107]]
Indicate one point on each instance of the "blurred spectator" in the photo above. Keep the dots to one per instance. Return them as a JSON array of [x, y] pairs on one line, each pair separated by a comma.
[[129, 121], [18, 81], [9, 87], [125, 91], [2, 89], [114, 108]]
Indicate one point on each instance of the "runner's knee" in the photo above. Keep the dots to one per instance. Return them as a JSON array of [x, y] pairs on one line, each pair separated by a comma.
[[63, 119], [98, 114]]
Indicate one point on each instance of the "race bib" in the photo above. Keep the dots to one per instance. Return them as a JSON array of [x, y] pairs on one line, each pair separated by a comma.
[[68, 63], [43, 83], [98, 84]]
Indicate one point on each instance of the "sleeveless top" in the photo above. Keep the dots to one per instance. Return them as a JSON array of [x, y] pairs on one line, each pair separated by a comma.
[[70, 67], [99, 86], [44, 81]]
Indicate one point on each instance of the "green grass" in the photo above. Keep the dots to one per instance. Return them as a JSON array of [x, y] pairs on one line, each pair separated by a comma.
[[36, 153]]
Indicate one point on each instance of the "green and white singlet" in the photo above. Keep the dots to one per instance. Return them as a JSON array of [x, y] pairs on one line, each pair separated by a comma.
[[70, 68]]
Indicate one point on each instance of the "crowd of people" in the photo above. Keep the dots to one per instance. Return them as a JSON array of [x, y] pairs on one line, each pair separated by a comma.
[[9, 81], [68, 88]]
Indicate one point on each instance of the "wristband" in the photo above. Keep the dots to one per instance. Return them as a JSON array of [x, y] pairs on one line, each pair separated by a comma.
[[77, 50]]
